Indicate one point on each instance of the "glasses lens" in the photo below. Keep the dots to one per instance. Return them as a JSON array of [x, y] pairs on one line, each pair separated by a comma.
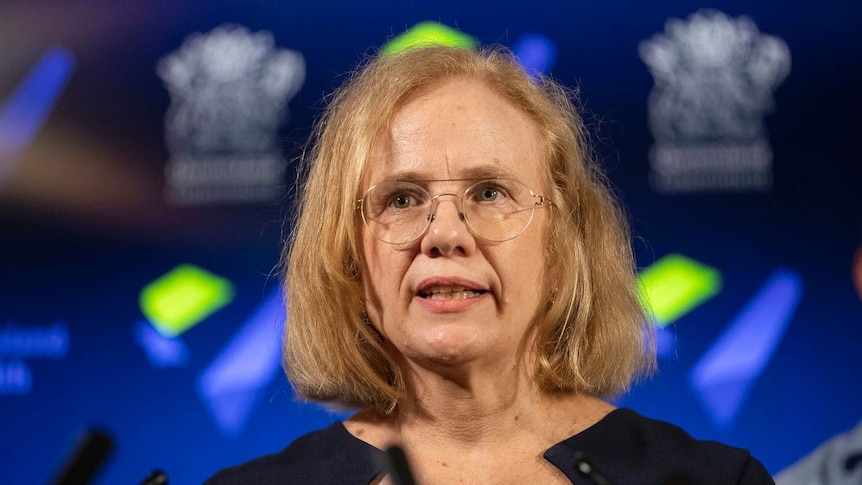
[[494, 209], [498, 209], [396, 212]]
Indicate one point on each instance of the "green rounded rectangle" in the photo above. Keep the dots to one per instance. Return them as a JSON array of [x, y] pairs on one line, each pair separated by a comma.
[[675, 285], [183, 297], [426, 34]]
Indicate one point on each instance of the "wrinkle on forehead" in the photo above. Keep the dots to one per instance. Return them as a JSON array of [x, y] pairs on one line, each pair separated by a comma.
[[456, 131]]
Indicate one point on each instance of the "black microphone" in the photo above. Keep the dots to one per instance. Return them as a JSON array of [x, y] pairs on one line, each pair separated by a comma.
[[157, 477], [399, 469], [588, 470], [86, 459]]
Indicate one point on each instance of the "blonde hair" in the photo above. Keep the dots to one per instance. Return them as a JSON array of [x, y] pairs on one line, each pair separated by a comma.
[[593, 338]]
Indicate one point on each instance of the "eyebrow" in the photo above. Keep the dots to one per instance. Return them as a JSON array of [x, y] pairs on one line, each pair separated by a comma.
[[473, 173]]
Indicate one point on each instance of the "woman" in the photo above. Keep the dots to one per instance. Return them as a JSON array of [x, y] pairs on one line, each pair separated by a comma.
[[460, 273]]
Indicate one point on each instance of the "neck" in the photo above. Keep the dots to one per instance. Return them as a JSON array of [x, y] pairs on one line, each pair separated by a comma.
[[472, 406], [488, 405]]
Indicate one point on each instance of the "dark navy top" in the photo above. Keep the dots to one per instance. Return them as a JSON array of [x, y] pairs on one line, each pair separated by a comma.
[[623, 447]]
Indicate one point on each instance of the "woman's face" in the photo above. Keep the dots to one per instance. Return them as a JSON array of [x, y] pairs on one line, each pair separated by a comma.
[[450, 298]]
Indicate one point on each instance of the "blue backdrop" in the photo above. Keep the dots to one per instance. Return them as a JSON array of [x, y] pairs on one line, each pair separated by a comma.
[[765, 356]]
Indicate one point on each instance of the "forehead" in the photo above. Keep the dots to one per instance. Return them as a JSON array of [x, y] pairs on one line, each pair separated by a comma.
[[459, 129]]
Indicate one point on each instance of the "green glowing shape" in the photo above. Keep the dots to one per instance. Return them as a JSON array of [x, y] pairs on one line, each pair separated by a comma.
[[429, 33], [675, 285], [183, 297]]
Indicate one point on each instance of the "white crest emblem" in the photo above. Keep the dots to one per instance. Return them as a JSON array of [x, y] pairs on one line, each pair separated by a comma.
[[714, 78], [229, 89]]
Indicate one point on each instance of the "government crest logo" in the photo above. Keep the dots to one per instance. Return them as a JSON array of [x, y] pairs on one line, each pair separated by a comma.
[[229, 91], [714, 82]]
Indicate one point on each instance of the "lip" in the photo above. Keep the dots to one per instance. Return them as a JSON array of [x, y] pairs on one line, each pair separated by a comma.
[[449, 306]]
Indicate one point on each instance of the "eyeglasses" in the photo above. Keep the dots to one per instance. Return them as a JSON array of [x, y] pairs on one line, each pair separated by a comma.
[[399, 212]]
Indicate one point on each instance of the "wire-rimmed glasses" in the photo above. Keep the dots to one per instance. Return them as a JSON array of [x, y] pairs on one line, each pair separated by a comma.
[[494, 209]]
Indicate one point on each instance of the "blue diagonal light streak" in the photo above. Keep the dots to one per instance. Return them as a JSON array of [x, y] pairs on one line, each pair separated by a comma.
[[232, 384], [160, 350], [665, 340], [25, 111], [728, 370]]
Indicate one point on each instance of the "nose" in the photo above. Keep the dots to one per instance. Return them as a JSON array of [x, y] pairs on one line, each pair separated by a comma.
[[447, 232]]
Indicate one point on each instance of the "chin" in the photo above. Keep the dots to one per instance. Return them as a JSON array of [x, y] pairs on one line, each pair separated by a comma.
[[444, 362], [451, 348]]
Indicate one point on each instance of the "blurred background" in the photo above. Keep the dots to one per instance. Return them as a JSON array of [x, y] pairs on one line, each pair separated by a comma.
[[147, 164]]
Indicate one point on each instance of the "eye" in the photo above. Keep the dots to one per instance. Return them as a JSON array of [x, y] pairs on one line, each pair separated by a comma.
[[489, 194], [489, 191], [402, 201], [399, 196]]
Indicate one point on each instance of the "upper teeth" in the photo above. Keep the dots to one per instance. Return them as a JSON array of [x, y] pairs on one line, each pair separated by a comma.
[[449, 292], [445, 289]]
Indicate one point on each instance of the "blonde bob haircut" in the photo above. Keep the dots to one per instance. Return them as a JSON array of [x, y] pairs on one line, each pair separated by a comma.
[[593, 336]]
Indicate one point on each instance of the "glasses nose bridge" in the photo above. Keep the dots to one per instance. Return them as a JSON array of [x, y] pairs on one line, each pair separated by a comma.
[[435, 201]]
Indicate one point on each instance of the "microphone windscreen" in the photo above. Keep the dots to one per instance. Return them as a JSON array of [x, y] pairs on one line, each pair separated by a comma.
[[89, 454]]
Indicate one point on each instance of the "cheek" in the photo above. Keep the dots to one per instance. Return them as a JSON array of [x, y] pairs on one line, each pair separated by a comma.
[[532, 263], [383, 270], [371, 275], [521, 269], [371, 265]]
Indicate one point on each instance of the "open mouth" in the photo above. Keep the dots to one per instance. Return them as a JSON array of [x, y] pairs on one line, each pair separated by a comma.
[[450, 293]]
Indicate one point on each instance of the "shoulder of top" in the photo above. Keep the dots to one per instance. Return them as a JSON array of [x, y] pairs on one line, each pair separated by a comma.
[[303, 456], [625, 442], [670, 435]]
